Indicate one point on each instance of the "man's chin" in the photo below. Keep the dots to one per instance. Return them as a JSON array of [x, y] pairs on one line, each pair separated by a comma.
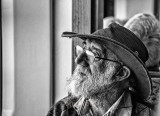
[[77, 90], [74, 88], [84, 85]]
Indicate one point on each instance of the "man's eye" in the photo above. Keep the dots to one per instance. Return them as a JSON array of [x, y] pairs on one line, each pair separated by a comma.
[[96, 55], [97, 59]]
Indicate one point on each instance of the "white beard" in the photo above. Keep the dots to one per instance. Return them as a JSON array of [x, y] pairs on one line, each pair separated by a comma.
[[88, 84]]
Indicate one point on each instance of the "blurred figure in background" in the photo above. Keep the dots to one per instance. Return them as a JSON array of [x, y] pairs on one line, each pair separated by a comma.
[[147, 28], [108, 20]]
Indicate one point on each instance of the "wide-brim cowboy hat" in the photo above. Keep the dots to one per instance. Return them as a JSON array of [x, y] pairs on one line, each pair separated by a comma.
[[129, 49]]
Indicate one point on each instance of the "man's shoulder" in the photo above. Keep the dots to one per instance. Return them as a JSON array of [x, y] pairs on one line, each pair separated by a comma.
[[142, 107], [61, 106]]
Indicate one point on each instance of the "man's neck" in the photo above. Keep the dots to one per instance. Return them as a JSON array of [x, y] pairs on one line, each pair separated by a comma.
[[102, 102]]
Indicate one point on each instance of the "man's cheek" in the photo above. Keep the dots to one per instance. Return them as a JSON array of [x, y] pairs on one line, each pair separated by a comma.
[[102, 67], [98, 67]]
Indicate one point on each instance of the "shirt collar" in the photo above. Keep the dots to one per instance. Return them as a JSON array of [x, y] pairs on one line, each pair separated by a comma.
[[82, 106], [122, 107]]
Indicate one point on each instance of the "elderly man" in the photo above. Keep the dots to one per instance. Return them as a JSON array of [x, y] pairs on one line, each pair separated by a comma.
[[110, 78]]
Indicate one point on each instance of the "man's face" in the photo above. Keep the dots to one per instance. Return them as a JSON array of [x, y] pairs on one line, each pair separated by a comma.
[[93, 78]]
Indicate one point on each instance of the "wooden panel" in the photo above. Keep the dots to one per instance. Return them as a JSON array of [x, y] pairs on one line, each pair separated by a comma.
[[81, 16], [81, 22]]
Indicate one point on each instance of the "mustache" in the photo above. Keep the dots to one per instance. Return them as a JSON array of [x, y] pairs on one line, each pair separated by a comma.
[[83, 71], [79, 74]]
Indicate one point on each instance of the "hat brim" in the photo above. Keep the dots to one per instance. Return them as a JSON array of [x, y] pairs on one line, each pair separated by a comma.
[[128, 57]]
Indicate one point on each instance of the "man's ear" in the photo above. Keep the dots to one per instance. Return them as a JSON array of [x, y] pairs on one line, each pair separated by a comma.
[[124, 73]]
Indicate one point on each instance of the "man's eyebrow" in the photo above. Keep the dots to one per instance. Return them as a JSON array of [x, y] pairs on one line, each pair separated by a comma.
[[96, 48]]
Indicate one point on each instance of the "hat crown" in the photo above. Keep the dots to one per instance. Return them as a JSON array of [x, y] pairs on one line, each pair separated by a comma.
[[125, 37]]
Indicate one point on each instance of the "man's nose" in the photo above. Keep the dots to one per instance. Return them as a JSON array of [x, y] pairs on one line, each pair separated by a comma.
[[82, 59]]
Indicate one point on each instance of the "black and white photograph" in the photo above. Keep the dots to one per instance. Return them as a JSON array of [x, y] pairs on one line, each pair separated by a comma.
[[80, 58]]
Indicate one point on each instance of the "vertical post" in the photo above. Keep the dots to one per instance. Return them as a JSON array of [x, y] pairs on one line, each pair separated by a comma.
[[52, 52], [157, 9], [97, 14], [8, 57], [0, 59], [108, 8]]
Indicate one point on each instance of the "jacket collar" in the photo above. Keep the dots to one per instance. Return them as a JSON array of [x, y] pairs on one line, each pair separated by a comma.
[[122, 107]]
